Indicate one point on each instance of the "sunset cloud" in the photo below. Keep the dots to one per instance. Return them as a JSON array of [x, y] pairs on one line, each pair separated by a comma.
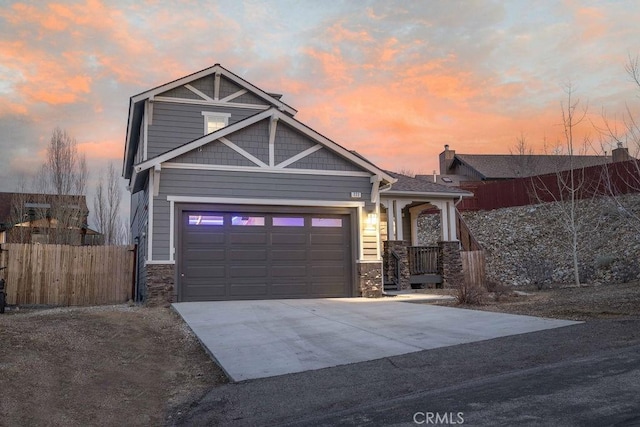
[[394, 80]]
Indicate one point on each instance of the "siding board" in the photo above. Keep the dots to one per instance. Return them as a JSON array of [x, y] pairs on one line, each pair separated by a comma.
[[176, 124], [259, 186]]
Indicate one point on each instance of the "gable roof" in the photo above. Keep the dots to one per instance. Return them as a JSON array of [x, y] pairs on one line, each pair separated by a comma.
[[406, 185], [505, 166], [136, 105], [263, 115], [273, 99]]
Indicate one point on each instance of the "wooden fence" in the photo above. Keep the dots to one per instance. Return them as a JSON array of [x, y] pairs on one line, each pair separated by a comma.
[[473, 267], [67, 275], [602, 180]]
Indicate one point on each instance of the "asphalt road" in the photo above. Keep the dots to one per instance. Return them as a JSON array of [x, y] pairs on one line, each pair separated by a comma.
[[582, 375]]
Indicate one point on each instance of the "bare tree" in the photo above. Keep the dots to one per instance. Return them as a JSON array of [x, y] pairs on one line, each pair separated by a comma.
[[569, 186], [63, 179], [524, 161], [19, 214], [624, 178], [106, 206]]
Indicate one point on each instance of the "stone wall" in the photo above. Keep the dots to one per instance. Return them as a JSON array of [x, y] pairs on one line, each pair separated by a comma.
[[429, 230], [529, 244], [450, 264], [160, 284], [370, 279]]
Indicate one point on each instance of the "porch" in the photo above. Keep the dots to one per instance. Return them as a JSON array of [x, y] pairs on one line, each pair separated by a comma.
[[410, 258]]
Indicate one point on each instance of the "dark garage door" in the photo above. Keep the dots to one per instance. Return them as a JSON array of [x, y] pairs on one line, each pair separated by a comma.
[[249, 255]]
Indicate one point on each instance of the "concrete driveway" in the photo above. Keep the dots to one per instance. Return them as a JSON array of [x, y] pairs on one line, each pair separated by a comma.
[[257, 339]]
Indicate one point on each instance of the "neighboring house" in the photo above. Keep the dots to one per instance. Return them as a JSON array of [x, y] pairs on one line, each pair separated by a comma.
[[233, 198], [459, 168], [45, 218]]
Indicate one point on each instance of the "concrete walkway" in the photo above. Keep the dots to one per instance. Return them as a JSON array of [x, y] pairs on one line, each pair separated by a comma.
[[257, 339]]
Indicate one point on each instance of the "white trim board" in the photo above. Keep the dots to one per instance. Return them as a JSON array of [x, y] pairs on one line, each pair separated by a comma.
[[218, 70], [268, 169], [261, 202], [158, 262], [273, 113], [216, 103], [265, 202]]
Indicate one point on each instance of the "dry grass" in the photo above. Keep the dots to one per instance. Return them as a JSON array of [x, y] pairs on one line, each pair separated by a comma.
[[113, 365], [620, 300]]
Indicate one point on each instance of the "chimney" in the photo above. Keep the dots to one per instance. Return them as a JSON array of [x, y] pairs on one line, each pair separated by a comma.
[[446, 159], [620, 154]]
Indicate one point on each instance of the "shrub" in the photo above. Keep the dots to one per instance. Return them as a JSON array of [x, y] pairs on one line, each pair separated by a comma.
[[469, 294], [498, 289], [538, 270], [604, 261]]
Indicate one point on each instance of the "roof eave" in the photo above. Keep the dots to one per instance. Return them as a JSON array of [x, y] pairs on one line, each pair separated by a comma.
[[425, 194]]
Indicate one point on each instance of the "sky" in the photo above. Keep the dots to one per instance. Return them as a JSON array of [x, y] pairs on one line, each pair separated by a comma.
[[393, 80]]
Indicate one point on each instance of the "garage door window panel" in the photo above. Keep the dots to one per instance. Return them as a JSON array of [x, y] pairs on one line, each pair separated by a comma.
[[326, 222], [249, 221], [279, 221], [215, 220]]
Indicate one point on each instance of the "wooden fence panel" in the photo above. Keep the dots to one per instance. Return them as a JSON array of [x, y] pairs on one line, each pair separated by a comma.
[[67, 275], [473, 267]]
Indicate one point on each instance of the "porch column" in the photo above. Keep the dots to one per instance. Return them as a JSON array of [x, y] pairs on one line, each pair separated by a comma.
[[453, 234], [398, 214], [415, 213], [447, 220], [391, 229]]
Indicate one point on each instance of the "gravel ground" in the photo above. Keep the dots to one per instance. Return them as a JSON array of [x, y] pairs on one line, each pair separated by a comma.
[[108, 366]]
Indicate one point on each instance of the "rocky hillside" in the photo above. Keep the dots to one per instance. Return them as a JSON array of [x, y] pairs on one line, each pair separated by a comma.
[[532, 244]]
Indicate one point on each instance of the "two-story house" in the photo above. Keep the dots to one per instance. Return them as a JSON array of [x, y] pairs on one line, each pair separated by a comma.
[[233, 198]]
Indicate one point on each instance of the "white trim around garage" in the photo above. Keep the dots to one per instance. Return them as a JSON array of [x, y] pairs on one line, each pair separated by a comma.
[[266, 202], [262, 202]]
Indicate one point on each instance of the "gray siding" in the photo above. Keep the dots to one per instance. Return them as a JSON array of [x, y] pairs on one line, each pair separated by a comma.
[[205, 85], [254, 139], [248, 98], [259, 186], [324, 159], [180, 92], [139, 221], [176, 124], [290, 142], [214, 153], [227, 87]]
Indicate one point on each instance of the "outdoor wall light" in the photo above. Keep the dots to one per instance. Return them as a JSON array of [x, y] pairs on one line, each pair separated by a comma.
[[372, 220]]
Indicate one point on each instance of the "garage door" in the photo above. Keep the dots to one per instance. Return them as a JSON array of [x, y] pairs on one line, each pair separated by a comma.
[[254, 255]]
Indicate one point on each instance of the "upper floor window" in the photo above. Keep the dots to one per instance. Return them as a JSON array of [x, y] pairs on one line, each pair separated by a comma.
[[214, 121]]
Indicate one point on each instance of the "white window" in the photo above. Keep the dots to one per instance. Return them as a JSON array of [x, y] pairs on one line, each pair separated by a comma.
[[214, 121]]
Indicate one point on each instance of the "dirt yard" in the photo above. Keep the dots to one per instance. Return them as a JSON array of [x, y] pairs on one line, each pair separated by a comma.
[[111, 366], [612, 301], [120, 365]]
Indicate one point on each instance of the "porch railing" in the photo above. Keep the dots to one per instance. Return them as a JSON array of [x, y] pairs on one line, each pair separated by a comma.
[[423, 259]]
